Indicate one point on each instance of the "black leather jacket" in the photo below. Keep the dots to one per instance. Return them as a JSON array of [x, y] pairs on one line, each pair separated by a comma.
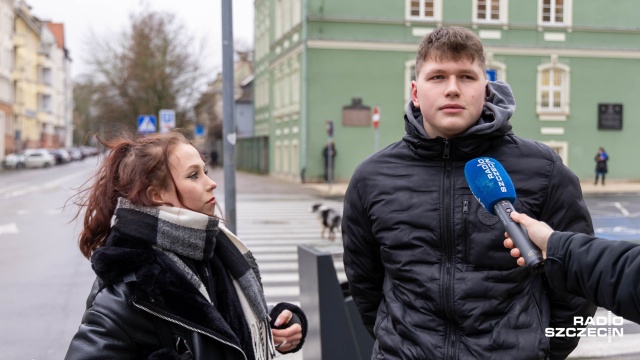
[[425, 262], [143, 307]]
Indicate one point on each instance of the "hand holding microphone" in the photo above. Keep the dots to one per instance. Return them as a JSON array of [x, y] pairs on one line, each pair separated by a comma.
[[538, 231], [491, 185]]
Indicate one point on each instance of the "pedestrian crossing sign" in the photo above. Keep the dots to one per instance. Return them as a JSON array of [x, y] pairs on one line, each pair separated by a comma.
[[146, 124]]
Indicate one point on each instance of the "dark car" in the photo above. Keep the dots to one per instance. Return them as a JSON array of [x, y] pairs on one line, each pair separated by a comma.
[[61, 155]]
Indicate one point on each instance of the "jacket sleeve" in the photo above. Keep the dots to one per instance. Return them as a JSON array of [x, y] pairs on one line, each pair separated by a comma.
[[111, 329], [298, 317], [605, 272], [362, 262], [565, 210]]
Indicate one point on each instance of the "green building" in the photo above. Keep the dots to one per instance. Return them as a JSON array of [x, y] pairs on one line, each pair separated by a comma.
[[574, 67]]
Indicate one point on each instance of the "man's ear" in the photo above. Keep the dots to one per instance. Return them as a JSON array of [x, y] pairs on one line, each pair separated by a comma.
[[414, 94], [486, 90], [154, 195]]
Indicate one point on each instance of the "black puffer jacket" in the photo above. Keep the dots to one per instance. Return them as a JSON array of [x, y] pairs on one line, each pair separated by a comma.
[[425, 262], [143, 307], [603, 271]]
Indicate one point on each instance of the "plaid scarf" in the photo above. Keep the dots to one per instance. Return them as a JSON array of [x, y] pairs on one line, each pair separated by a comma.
[[182, 232]]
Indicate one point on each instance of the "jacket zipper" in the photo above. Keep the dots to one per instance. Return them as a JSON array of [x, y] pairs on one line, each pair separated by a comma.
[[188, 327], [445, 152], [465, 233], [449, 247]]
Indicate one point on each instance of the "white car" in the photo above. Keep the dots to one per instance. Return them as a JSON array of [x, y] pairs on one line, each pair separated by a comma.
[[13, 161], [34, 158]]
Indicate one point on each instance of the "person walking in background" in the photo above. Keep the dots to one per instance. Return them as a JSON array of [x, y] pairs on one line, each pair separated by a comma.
[[425, 262], [329, 151], [601, 164], [172, 282], [602, 271], [213, 158]]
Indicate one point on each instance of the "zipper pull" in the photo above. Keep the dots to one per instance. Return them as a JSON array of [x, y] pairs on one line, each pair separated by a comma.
[[465, 207], [445, 154]]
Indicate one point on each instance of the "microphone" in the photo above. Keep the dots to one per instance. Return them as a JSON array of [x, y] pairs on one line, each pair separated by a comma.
[[491, 185]]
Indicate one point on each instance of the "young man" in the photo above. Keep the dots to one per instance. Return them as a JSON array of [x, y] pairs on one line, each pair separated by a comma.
[[425, 262]]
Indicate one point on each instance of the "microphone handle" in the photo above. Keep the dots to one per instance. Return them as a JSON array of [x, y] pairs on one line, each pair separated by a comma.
[[528, 250]]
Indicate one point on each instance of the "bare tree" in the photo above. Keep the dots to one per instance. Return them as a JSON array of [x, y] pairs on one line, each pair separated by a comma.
[[84, 100], [153, 66]]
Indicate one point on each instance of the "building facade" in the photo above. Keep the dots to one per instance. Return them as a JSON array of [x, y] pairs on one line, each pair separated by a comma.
[[571, 65], [35, 85]]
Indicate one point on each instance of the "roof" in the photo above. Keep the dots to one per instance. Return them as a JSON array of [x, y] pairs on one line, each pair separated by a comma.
[[58, 32]]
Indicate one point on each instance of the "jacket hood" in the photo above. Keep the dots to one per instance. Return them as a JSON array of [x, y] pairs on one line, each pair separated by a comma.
[[494, 119]]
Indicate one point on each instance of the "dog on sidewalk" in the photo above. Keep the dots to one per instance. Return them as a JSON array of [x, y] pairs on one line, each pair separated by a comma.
[[330, 219]]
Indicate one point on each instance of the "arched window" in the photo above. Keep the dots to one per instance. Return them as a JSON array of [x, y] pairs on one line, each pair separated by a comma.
[[553, 91], [496, 70], [409, 76]]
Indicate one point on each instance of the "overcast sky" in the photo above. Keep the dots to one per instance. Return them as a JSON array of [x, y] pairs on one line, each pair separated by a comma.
[[106, 18]]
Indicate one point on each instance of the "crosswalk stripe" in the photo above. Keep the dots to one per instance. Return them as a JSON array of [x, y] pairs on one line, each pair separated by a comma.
[[273, 230]]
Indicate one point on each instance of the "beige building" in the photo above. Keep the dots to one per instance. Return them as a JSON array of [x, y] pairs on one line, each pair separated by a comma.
[[35, 81], [26, 41]]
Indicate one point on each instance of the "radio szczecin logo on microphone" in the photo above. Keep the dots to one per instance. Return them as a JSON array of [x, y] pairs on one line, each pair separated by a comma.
[[489, 168]]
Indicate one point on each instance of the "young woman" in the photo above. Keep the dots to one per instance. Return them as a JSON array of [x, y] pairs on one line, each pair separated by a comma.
[[601, 164], [172, 282]]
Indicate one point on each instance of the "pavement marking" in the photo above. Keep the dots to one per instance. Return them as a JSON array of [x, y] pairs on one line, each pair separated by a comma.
[[622, 209], [282, 291], [619, 230], [11, 228], [262, 257], [45, 186], [270, 277]]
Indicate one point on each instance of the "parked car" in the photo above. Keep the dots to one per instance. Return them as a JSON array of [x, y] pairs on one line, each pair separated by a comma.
[[13, 161], [61, 155], [89, 150], [75, 154], [34, 158]]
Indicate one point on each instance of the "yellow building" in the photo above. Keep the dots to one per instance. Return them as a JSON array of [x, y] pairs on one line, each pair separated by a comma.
[[26, 40]]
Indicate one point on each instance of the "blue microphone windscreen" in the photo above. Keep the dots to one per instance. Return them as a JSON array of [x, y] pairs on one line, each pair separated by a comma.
[[489, 182]]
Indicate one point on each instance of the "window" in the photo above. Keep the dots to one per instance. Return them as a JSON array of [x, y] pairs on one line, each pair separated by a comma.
[[424, 9], [491, 11], [278, 20], [495, 70], [553, 91], [560, 147], [555, 12], [278, 157], [295, 157], [286, 156]]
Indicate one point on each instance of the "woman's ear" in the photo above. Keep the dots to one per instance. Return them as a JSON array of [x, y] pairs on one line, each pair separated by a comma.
[[154, 195]]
